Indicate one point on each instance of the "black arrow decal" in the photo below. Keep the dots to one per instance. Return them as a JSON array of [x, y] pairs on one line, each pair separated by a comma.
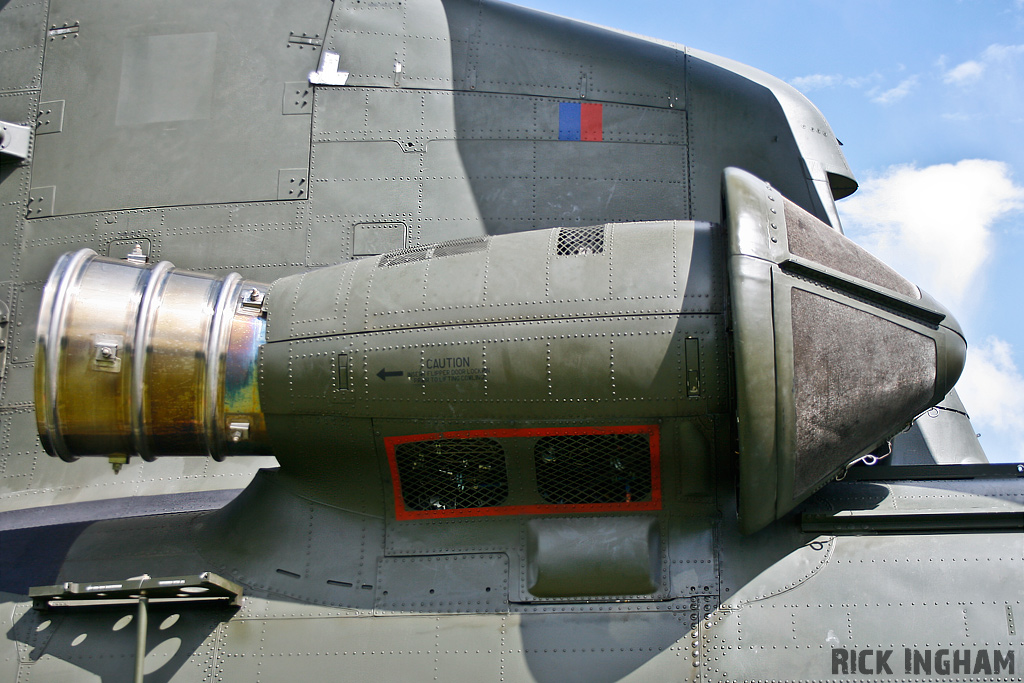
[[384, 374]]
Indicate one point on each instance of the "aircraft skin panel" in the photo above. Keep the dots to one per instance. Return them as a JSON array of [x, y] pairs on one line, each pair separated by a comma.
[[617, 647], [22, 33], [402, 115], [171, 115], [505, 178], [864, 593], [792, 598], [14, 194]]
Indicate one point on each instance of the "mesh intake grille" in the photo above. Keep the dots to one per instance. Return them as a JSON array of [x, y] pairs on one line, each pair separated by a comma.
[[452, 474], [405, 256], [593, 468], [580, 241], [466, 245]]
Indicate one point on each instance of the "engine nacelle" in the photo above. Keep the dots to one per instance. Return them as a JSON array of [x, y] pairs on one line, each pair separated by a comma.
[[612, 329]]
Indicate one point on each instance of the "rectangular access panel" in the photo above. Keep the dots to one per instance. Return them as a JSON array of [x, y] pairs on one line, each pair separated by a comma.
[[173, 104]]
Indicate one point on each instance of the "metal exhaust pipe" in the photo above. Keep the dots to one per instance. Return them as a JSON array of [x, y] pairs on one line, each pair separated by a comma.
[[133, 359]]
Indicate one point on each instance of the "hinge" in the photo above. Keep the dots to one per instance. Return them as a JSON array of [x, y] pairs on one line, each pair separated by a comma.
[[64, 31], [301, 39]]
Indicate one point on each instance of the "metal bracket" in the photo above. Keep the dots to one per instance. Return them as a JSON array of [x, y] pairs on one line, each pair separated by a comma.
[[196, 590], [14, 139], [301, 39], [107, 352], [137, 255], [239, 431], [206, 589], [137, 250], [64, 30], [251, 302]]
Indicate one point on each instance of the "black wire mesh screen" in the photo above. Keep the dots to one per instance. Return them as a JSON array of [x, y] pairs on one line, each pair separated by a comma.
[[466, 245], [580, 241], [582, 469], [452, 474], [403, 256]]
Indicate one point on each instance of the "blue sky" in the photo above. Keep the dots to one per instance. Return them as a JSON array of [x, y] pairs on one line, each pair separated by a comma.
[[928, 99]]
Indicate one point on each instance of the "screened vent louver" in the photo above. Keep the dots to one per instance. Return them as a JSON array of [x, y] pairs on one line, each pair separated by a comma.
[[405, 256], [452, 474], [593, 468], [580, 241], [466, 245]]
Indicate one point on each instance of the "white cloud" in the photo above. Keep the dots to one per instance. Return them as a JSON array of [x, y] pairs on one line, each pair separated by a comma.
[[992, 386], [997, 52], [972, 70], [895, 94], [992, 389], [958, 117], [877, 95], [821, 81], [933, 224], [965, 73], [816, 82], [862, 81]]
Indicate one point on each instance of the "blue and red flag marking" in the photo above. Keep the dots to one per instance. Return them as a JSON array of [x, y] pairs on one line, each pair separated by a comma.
[[580, 121]]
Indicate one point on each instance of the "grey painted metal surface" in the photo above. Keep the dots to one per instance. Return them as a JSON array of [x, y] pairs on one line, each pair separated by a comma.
[[194, 131]]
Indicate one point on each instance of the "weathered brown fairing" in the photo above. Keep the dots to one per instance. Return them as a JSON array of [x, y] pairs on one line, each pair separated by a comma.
[[835, 352]]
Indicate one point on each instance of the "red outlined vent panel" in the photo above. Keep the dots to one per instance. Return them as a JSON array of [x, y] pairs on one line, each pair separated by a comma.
[[561, 470]]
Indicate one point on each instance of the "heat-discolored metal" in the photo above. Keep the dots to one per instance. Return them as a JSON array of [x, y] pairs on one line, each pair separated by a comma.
[[166, 358]]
